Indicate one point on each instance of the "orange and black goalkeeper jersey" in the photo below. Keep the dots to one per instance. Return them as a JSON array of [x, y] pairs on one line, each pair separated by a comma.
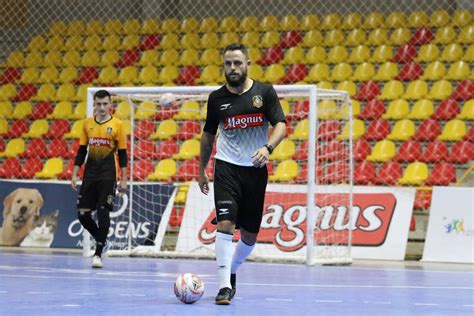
[[103, 141]]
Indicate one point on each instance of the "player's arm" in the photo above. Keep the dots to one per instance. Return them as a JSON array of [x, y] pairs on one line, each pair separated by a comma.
[[123, 159], [80, 157], [207, 142]]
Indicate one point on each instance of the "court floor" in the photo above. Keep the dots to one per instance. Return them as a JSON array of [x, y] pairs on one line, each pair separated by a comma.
[[64, 284]]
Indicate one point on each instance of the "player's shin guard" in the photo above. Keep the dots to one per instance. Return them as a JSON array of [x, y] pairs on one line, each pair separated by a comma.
[[103, 213], [224, 258], [88, 223], [242, 251]]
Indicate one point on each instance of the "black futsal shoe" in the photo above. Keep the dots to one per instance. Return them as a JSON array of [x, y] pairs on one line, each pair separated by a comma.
[[224, 296]]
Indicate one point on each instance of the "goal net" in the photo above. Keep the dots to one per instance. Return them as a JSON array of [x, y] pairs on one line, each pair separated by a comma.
[[307, 212]]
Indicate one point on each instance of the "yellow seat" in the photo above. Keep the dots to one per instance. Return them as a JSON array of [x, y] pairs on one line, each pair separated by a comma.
[[285, 150], [452, 52], [170, 25], [109, 58], [324, 85], [94, 42], [81, 93], [33, 59], [3, 125], [418, 19], [318, 72], [310, 22], [37, 129], [312, 38], [355, 38], [331, 21], [294, 55], [6, 110], [107, 75], [190, 41], [111, 42], [382, 54], [301, 131], [189, 149], [210, 74], [315, 55], [326, 109], [65, 92], [145, 110], [416, 90], [168, 74], [209, 40], [249, 23], [211, 56], [68, 74], [397, 109], [378, 37], [148, 74], [333, 38], [113, 26], [439, 18], [344, 111], [55, 43], [228, 24], [383, 150], [71, 58], [250, 39], [269, 23], [58, 27], [128, 75], [131, 26], [151, 26], [395, 20], [415, 174], [169, 57], [466, 35], [228, 38], [290, 23], [49, 75], [364, 72], [352, 21], [274, 73], [209, 24], [166, 130], [445, 35], [337, 54], [359, 54], [285, 106], [74, 43], [270, 39], [467, 111], [61, 110], [374, 20], [256, 72], [427, 53], [127, 127], [37, 43], [440, 90], [189, 110], [461, 18], [76, 27], [286, 171], [400, 36], [434, 71], [15, 59], [454, 130], [458, 71], [94, 27], [403, 130], [469, 55], [169, 41], [90, 59], [52, 58], [7, 91], [149, 58], [392, 90], [51, 169], [422, 110], [14, 148], [341, 72], [348, 86], [45, 92], [189, 57], [130, 41], [164, 170], [29, 75], [358, 129], [80, 111], [122, 111]]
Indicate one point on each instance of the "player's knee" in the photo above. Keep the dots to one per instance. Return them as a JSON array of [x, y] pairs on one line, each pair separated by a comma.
[[103, 215], [81, 215], [226, 226], [248, 238]]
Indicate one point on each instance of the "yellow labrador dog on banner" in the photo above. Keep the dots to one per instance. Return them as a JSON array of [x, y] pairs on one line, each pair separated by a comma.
[[20, 209]]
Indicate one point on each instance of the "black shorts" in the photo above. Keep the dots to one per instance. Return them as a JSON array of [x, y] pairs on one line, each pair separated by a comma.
[[239, 194], [96, 192]]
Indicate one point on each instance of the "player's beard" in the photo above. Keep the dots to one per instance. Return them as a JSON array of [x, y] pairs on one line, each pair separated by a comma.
[[238, 81]]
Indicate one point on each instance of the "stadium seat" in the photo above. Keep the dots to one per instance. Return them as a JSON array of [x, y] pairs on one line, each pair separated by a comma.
[[467, 111], [289, 23], [416, 90], [109, 58], [40, 111], [94, 42], [378, 37], [341, 72], [8, 91], [49, 75], [145, 149], [397, 109], [128, 75], [65, 92], [188, 171], [312, 38], [422, 109], [364, 72], [29, 75], [328, 130], [22, 110], [149, 58], [76, 27], [269, 23], [392, 90], [285, 150], [250, 39], [150, 26], [461, 152], [90, 59], [327, 109], [453, 130], [228, 24], [294, 55], [395, 19], [410, 71], [428, 130], [295, 73], [301, 152], [368, 91], [310, 22], [416, 173], [409, 151], [286, 171], [17, 128], [189, 25], [331, 21], [86, 76], [403, 130], [290, 39], [210, 56], [272, 56], [45, 92], [270, 39], [355, 37], [382, 54], [469, 54], [374, 20], [401, 36], [37, 43], [249, 23], [337, 172], [344, 111], [10, 168], [386, 72], [58, 128], [30, 167], [447, 110], [406, 53], [10, 75], [168, 74], [256, 72], [189, 150], [94, 27], [148, 75], [389, 173], [6, 109], [470, 134], [208, 41], [359, 54], [466, 35], [436, 151], [383, 150], [440, 90], [74, 43], [166, 129], [452, 52], [142, 168], [444, 35], [361, 149], [188, 130], [55, 43], [128, 58], [228, 38], [422, 35], [427, 53], [14, 148], [164, 170], [61, 110], [274, 73], [211, 73], [57, 148], [3, 130], [439, 18], [461, 17], [37, 129], [364, 173], [68, 74], [208, 24], [301, 131], [189, 57], [255, 55], [145, 110], [15, 59], [442, 173], [348, 86], [458, 71], [189, 74], [332, 151], [143, 129], [464, 90], [149, 42], [76, 130], [337, 54], [434, 71], [189, 110], [318, 72], [358, 129], [333, 38], [378, 130]]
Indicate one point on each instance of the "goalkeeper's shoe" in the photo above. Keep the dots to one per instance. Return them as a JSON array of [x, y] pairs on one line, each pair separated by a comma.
[[97, 262], [233, 277], [224, 296], [214, 222]]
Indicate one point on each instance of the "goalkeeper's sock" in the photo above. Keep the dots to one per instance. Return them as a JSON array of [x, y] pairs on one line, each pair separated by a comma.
[[242, 251], [88, 223], [224, 258]]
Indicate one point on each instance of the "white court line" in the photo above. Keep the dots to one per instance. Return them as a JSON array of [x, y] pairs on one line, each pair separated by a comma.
[[426, 304], [134, 295], [84, 293], [279, 299], [468, 305], [327, 301], [71, 305], [3, 292], [382, 302], [38, 292]]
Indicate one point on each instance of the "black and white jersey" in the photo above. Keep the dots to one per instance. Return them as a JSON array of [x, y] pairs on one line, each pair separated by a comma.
[[242, 120]]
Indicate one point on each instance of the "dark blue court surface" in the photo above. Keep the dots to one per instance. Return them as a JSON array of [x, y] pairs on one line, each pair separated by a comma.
[[40, 284]]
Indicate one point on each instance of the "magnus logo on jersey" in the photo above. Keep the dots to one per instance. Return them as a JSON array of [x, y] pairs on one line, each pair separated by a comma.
[[284, 220], [98, 142], [243, 121]]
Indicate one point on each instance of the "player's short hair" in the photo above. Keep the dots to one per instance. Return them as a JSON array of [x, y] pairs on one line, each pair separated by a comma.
[[237, 46], [102, 94]]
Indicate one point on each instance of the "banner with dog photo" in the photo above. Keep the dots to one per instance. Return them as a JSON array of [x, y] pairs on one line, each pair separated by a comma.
[[44, 214]]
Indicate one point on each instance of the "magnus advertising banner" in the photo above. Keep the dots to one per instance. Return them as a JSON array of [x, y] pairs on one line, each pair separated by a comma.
[[379, 223], [44, 214]]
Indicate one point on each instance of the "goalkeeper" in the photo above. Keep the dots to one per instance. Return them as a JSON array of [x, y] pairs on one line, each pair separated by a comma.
[[103, 134], [242, 109]]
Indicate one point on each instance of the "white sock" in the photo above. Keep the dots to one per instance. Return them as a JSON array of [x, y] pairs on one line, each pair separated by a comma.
[[242, 251], [224, 258]]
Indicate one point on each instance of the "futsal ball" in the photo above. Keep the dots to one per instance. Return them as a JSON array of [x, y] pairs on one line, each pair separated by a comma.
[[188, 288], [167, 99]]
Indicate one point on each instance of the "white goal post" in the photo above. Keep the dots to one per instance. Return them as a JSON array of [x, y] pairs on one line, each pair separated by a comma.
[[328, 226]]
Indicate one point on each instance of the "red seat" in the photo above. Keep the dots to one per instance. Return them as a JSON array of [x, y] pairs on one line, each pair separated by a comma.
[[464, 90], [364, 173], [443, 173], [72, 151], [17, 128], [301, 152], [87, 75], [389, 173], [422, 199], [187, 75], [149, 42], [41, 110], [421, 36], [36, 148], [328, 130], [57, 148], [128, 58], [436, 151], [300, 110], [405, 54], [176, 217], [2, 145], [409, 151], [188, 171], [295, 73], [337, 172], [166, 112], [302, 176], [410, 71], [332, 150], [189, 129], [167, 148], [144, 129], [412, 223], [470, 134], [142, 168], [361, 149], [30, 167], [462, 152], [368, 91], [58, 129], [447, 110], [145, 149], [10, 75], [67, 172], [290, 39], [10, 168], [372, 110], [25, 92], [428, 130], [378, 130], [272, 56]]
